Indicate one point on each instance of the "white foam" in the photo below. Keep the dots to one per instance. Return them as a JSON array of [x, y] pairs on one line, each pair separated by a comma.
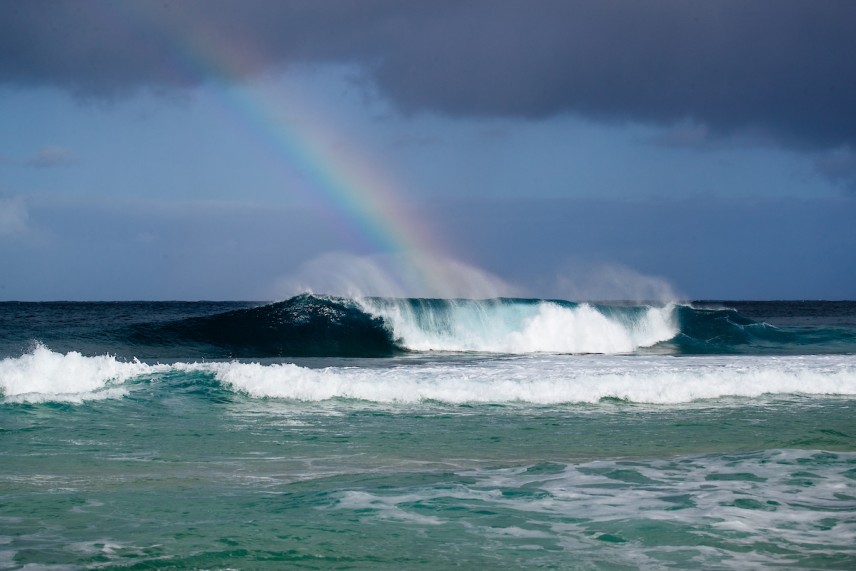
[[516, 328], [386, 506], [549, 379], [712, 496], [44, 375], [279, 380]]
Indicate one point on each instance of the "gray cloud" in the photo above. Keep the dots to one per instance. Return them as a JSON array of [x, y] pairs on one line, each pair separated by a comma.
[[685, 135], [839, 165], [47, 157], [14, 216], [50, 156], [780, 67]]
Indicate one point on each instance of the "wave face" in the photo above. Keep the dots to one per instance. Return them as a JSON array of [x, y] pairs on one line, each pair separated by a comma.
[[305, 325], [321, 326]]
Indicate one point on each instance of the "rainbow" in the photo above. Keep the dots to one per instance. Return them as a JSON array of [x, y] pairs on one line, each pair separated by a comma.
[[360, 200], [355, 190]]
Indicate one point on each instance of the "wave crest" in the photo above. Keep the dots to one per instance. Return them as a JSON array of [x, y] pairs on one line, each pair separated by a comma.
[[547, 380], [45, 376], [521, 326]]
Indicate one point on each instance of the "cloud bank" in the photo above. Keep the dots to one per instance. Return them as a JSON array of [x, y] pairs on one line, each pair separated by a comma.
[[783, 68]]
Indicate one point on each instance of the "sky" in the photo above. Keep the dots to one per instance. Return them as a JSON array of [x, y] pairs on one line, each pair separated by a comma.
[[573, 149]]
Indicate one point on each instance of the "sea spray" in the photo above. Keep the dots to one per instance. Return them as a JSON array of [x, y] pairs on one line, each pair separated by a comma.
[[423, 275]]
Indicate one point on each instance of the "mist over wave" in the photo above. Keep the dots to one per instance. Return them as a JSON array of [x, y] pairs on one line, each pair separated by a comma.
[[419, 274], [610, 281]]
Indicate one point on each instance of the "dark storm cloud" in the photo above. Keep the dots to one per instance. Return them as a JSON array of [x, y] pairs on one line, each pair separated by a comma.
[[781, 68]]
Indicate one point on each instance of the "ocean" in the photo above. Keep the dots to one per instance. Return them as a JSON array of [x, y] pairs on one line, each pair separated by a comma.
[[377, 433]]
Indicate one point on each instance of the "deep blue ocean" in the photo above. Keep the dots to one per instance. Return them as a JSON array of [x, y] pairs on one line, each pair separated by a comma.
[[377, 433]]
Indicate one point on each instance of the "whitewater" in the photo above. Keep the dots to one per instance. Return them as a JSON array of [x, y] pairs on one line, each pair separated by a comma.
[[505, 326], [370, 433], [43, 375]]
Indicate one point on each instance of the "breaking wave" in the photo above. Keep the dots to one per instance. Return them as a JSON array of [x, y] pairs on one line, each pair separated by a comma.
[[46, 376], [322, 326], [43, 375], [548, 380], [310, 325]]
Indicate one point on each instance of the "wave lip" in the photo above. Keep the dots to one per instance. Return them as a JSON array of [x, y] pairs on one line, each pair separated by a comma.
[[45, 376]]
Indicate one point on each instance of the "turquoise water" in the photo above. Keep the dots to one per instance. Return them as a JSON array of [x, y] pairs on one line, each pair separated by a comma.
[[434, 459]]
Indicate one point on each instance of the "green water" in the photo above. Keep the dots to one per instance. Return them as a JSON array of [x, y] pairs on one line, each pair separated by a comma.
[[174, 476]]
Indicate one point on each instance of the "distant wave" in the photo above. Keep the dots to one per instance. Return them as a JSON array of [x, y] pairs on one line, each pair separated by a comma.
[[46, 376], [323, 326]]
